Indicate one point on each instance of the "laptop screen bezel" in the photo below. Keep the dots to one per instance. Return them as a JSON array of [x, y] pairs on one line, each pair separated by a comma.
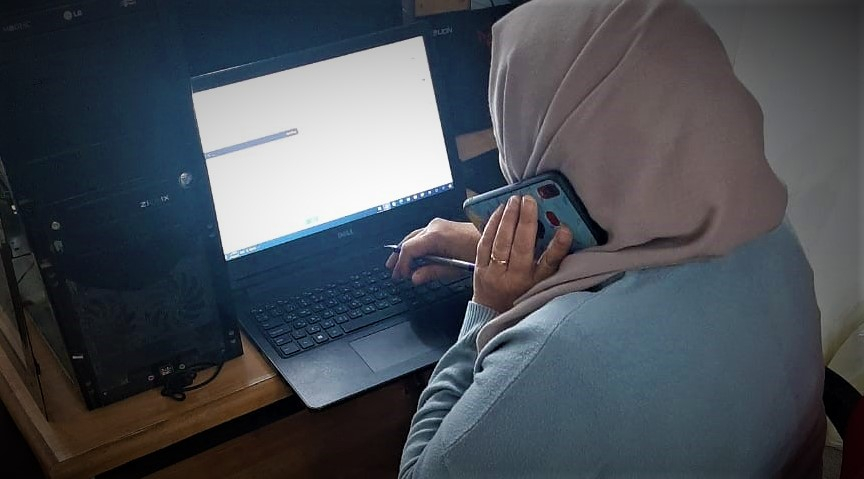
[[379, 227]]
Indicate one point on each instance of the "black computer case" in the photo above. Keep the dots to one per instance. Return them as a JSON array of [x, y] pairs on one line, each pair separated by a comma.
[[106, 177]]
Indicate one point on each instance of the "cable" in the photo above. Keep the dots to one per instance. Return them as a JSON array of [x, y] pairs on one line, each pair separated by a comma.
[[177, 384]]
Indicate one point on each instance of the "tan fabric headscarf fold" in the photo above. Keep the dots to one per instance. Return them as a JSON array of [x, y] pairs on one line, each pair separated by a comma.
[[636, 103]]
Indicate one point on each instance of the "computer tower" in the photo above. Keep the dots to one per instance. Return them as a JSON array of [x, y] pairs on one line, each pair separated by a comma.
[[463, 40], [107, 179]]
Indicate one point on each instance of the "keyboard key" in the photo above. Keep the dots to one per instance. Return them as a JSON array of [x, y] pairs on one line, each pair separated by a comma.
[[327, 323], [318, 308], [313, 319], [373, 318], [355, 305], [298, 333], [458, 288], [368, 309], [306, 342], [271, 323], [358, 294], [320, 338], [330, 303], [285, 338], [313, 329], [368, 300], [300, 324], [394, 299], [289, 349], [305, 302], [304, 312], [380, 295], [327, 313], [340, 309], [278, 331], [382, 304], [355, 313], [342, 318]]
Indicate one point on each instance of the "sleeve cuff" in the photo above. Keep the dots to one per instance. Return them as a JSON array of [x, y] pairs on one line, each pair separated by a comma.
[[475, 316]]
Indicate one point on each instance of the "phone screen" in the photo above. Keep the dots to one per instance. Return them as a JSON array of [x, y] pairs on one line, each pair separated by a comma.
[[555, 208]]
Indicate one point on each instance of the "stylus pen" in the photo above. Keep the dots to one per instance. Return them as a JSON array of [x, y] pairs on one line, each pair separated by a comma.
[[456, 263]]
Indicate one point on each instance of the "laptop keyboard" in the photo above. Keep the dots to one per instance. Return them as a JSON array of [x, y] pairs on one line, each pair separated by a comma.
[[321, 314]]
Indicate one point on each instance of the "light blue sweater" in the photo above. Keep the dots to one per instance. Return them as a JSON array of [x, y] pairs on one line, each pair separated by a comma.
[[708, 369]]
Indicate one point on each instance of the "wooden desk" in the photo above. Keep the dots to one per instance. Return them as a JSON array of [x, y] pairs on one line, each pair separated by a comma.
[[81, 443]]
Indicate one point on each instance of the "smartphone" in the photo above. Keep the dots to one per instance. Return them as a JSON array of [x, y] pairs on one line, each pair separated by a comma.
[[557, 204]]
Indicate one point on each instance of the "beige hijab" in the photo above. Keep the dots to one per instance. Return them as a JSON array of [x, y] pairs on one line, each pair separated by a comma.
[[636, 103]]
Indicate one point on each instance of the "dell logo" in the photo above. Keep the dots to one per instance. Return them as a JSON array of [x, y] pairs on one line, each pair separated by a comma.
[[345, 233]]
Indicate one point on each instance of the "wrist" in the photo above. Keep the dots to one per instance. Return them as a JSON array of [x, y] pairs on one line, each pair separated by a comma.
[[497, 306], [476, 315]]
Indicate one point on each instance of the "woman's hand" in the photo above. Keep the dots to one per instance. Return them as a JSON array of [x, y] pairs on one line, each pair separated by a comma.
[[505, 267], [440, 238]]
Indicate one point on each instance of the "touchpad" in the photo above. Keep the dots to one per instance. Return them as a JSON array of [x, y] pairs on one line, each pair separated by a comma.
[[394, 345]]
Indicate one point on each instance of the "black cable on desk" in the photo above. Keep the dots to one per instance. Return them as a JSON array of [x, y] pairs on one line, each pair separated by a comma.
[[178, 383]]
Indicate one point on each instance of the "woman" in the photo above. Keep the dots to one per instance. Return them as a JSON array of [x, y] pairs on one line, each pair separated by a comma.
[[702, 359]]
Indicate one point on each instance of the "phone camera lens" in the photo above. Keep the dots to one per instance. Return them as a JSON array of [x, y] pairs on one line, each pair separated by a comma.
[[548, 191], [553, 219]]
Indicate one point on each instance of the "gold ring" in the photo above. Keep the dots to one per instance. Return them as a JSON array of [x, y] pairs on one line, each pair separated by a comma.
[[502, 262]]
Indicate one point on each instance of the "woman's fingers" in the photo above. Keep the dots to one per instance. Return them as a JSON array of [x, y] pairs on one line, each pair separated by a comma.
[[506, 231], [401, 262], [522, 252], [432, 272], [551, 259], [484, 247]]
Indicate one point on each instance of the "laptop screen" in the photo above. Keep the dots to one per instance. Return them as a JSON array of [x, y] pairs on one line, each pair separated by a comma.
[[316, 146]]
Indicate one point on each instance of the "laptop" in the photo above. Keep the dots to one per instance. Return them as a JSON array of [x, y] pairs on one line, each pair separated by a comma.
[[316, 160]]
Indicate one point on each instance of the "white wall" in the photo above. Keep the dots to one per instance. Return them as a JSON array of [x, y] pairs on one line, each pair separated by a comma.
[[801, 61]]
